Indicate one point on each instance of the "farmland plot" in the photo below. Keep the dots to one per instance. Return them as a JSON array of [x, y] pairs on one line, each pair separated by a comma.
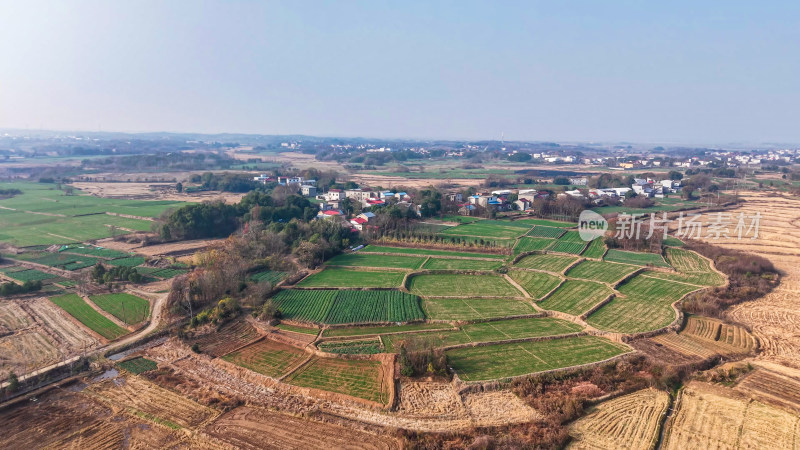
[[550, 263], [500, 330], [576, 297], [548, 223], [248, 427], [780, 386], [540, 231], [31, 275], [69, 335], [595, 249], [427, 252], [645, 307], [635, 258], [369, 330], [710, 417], [343, 306], [266, 357], [631, 421], [508, 360], [128, 308], [77, 308], [336, 277], [461, 264], [143, 398], [138, 365], [705, 337], [529, 244], [489, 228], [474, 308], [26, 351], [364, 346], [457, 285], [231, 336], [692, 267], [359, 378], [573, 248], [12, 317], [131, 261], [537, 284], [602, 271], [373, 260]]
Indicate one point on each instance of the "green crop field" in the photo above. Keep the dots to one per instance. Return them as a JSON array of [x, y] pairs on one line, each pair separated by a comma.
[[30, 275], [550, 263], [672, 241], [43, 215], [461, 264], [529, 244], [605, 272], [645, 307], [508, 360], [548, 223], [453, 285], [311, 306], [368, 346], [266, 357], [459, 219], [79, 309], [489, 228], [361, 331], [138, 365], [537, 284], [576, 297], [340, 277], [692, 269], [270, 276], [545, 232], [61, 260], [359, 378], [635, 258], [474, 308], [128, 308], [131, 261], [573, 248], [427, 252], [296, 329], [343, 306], [373, 260], [485, 332], [595, 249]]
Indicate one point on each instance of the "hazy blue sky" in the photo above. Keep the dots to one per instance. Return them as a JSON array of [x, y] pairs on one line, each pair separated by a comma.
[[678, 71]]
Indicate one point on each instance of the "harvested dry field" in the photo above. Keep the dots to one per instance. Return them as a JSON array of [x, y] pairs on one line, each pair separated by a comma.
[[631, 421], [35, 334], [233, 335], [775, 385], [774, 318], [152, 191], [709, 416], [171, 248], [248, 427], [64, 418], [137, 395], [26, 351], [703, 338]]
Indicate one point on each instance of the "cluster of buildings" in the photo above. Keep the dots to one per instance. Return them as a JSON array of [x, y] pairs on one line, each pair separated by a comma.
[[646, 187], [308, 188], [331, 201]]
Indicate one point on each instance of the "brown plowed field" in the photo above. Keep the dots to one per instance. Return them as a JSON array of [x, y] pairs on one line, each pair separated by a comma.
[[430, 399], [703, 338], [709, 416], [248, 427], [631, 421], [498, 408], [71, 336]]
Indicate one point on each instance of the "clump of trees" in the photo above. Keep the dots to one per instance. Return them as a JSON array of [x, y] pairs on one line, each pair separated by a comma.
[[228, 182], [750, 276], [421, 360], [224, 310], [11, 288], [122, 273]]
